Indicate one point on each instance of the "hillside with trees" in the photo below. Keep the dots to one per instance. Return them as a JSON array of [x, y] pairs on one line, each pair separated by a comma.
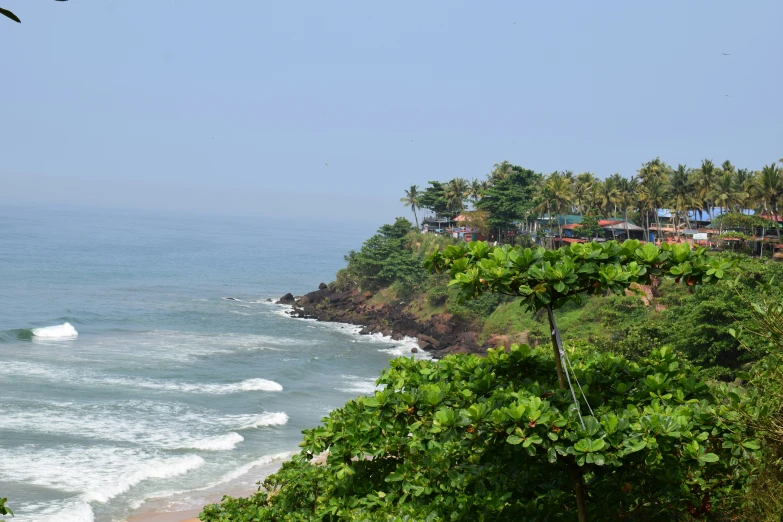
[[511, 197], [602, 381]]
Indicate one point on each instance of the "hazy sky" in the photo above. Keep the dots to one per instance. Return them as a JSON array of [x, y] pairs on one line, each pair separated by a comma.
[[237, 106]]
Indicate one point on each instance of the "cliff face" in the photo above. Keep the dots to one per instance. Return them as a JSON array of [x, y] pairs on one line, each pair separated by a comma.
[[441, 334]]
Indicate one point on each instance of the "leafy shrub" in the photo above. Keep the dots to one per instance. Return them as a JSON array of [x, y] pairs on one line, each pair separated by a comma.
[[437, 295], [385, 258], [469, 438]]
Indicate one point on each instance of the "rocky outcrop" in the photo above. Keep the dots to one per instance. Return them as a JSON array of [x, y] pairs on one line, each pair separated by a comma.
[[441, 334], [287, 299]]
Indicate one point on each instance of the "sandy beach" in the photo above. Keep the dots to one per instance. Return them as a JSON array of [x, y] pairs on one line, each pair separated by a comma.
[[176, 516], [180, 509]]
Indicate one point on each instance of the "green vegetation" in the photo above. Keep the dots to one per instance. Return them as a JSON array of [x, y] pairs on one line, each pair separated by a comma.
[[664, 402], [384, 259], [511, 196], [469, 438], [5, 510], [499, 438]]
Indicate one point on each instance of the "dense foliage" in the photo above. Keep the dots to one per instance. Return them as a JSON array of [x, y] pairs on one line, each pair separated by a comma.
[[548, 277], [469, 438], [499, 438], [385, 258], [511, 196]]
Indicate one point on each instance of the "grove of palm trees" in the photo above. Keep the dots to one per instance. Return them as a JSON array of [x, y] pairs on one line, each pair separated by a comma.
[[511, 196]]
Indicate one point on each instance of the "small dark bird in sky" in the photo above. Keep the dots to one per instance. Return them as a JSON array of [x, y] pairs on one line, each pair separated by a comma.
[[514, 142], [326, 164], [727, 96], [725, 54]]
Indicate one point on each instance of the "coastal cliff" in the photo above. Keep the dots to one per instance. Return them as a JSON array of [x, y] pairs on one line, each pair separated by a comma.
[[439, 334]]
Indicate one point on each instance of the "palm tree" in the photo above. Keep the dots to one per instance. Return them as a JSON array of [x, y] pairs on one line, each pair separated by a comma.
[[456, 191], [654, 194], [607, 195], [558, 189], [628, 190], [582, 186], [704, 180], [476, 190], [770, 191], [681, 195], [411, 199], [654, 186], [726, 195], [500, 171]]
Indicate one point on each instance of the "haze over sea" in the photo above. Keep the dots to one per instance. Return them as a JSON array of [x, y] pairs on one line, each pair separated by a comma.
[[126, 375]]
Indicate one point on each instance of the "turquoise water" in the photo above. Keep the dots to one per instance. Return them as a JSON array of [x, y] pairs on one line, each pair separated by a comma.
[[127, 379]]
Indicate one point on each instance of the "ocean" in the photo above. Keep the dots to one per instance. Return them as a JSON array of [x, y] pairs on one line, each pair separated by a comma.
[[128, 379]]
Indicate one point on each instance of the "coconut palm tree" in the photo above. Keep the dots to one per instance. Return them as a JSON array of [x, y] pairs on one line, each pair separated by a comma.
[[607, 195], [500, 171], [681, 195], [704, 180], [628, 196], [653, 189], [582, 185], [726, 196], [770, 192], [558, 189], [653, 194], [456, 191], [476, 190], [411, 199]]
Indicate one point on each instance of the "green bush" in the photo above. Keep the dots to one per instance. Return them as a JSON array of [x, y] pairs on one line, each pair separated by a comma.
[[469, 438], [384, 259]]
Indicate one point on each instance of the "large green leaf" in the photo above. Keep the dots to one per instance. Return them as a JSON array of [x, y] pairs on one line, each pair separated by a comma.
[[10, 15]]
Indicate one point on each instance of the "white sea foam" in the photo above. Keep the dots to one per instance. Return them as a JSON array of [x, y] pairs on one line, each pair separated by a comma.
[[355, 384], [147, 423], [267, 459], [84, 377], [257, 421], [58, 511], [60, 331], [401, 348], [187, 346], [98, 474], [219, 443], [184, 499], [248, 385]]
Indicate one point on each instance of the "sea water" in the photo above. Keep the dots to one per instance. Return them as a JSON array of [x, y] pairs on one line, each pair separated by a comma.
[[127, 378]]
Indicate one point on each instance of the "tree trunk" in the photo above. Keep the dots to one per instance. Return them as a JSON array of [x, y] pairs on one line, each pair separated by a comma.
[[415, 217], [552, 333], [579, 481], [625, 217]]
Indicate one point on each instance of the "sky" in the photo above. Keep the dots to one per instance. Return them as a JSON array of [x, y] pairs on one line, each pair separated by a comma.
[[332, 109]]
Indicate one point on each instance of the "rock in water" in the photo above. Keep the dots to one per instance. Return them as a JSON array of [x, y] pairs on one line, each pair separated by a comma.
[[414, 350], [287, 299]]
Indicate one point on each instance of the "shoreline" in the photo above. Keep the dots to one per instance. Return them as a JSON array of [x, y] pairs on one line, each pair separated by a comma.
[[185, 506], [151, 511], [439, 335]]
